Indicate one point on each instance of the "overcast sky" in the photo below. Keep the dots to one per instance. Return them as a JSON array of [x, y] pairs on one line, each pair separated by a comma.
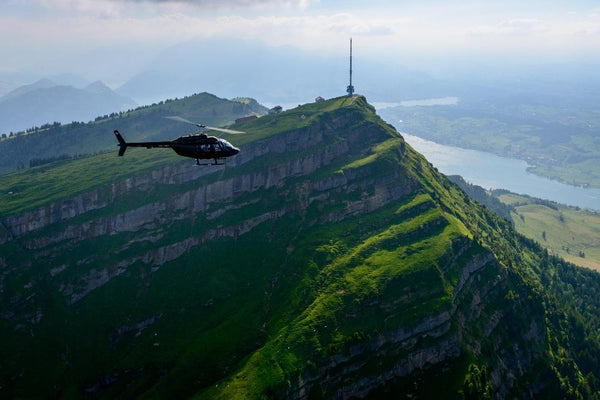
[[53, 36]]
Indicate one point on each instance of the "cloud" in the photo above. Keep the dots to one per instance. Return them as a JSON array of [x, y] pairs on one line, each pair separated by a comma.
[[230, 4], [53, 31], [142, 8], [99, 8], [348, 24], [562, 35], [512, 27]]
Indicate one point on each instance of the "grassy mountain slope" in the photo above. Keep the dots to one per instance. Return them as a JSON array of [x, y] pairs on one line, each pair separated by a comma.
[[569, 232], [328, 259], [144, 123]]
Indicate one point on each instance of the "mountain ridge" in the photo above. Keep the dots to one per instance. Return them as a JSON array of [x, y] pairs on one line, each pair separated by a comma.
[[327, 259], [43, 83]]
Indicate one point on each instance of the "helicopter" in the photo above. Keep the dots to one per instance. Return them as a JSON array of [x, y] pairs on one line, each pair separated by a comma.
[[198, 146]]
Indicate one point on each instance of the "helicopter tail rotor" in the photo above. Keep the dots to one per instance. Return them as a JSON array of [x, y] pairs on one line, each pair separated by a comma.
[[122, 143]]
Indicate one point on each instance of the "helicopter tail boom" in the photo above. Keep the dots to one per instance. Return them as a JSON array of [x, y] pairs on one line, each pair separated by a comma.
[[122, 143]]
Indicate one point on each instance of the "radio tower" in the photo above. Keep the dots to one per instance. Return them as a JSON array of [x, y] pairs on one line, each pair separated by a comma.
[[350, 88]]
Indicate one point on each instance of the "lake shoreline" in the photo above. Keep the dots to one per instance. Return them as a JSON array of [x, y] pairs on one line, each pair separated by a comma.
[[492, 171]]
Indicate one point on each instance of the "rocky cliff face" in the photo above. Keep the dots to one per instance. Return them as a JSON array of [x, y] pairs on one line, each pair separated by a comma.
[[326, 260], [54, 229], [438, 340]]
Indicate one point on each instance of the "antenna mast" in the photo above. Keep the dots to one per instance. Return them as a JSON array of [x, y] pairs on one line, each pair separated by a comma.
[[350, 88]]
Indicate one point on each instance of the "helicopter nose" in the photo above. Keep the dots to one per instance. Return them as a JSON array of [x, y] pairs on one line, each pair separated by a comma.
[[235, 151]]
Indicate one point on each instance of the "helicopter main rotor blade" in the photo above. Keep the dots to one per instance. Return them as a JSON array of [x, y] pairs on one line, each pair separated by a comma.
[[180, 119], [187, 121], [230, 131]]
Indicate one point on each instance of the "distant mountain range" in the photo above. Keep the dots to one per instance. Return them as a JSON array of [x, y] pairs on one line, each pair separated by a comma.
[[272, 74], [46, 101]]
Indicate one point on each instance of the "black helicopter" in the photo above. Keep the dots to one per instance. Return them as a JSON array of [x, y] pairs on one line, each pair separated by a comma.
[[198, 146]]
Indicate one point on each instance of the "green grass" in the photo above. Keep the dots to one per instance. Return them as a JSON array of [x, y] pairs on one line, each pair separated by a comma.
[[201, 293], [399, 258], [32, 188], [569, 231], [387, 150], [576, 173], [143, 124], [250, 315], [296, 118]]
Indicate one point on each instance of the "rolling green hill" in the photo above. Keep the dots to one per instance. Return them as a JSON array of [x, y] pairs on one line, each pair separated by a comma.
[[327, 260], [569, 232], [54, 141]]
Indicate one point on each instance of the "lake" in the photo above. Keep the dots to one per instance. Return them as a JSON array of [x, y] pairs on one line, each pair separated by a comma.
[[438, 101], [494, 172]]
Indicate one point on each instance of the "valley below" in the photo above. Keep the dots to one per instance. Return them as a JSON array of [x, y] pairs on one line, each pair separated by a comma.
[[560, 142]]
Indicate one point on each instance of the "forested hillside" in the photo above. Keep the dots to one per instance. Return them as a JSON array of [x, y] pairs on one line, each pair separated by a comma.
[[327, 260], [55, 141]]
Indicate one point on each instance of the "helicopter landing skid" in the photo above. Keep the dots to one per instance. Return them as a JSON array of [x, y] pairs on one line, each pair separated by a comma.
[[215, 163]]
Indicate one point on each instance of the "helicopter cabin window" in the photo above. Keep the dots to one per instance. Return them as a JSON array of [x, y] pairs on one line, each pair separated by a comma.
[[206, 148]]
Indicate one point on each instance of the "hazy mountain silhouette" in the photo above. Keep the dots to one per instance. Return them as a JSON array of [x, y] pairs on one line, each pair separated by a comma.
[[21, 90], [45, 101], [271, 74]]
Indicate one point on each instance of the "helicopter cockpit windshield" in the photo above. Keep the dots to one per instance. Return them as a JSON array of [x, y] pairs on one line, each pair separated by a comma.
[[226, 145]]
